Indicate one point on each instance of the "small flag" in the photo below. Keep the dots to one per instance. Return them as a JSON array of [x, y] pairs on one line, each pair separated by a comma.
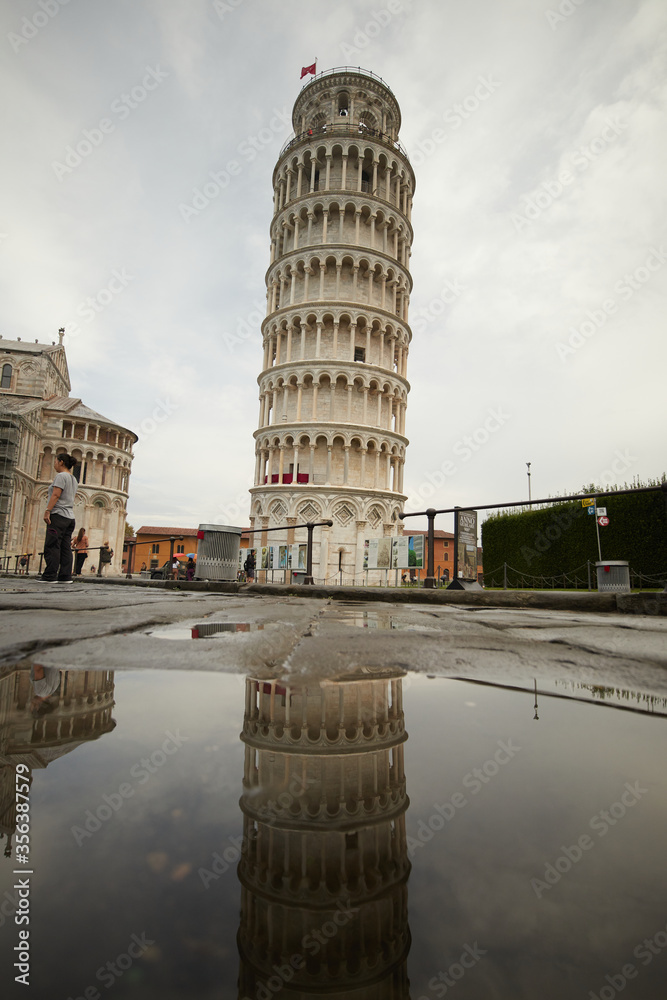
[[305, 70]]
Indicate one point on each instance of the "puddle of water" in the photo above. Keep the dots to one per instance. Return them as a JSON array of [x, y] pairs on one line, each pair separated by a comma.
[[393, 833], [377, 620], [206, 630]]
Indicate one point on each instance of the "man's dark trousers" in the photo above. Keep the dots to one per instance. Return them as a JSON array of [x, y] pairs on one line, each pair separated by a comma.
[[58, 548]]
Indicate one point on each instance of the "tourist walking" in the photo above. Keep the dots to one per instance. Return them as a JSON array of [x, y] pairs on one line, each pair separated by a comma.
[[80, 546], [59, 518], [249, 565]]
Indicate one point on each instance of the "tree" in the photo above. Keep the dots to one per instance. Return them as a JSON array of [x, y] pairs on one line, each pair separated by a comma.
[[129, 531]]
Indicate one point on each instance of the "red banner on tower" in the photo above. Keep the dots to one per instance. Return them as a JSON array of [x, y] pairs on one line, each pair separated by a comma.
[[308, 69]]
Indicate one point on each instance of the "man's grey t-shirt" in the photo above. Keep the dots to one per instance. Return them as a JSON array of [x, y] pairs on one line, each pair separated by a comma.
[[64, 505]]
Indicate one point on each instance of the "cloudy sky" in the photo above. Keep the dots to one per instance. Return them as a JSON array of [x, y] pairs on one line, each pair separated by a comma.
[[538, 139]]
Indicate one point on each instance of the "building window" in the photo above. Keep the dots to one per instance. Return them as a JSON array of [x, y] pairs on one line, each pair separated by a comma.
[[446, 556], [360, 354], [6, 382], [180, 548], [155, 549]]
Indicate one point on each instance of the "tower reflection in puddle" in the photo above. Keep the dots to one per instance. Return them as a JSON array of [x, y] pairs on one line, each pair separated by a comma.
[[78, 709], [325, 867]]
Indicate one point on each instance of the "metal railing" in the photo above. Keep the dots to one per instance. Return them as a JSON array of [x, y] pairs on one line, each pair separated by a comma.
[[430, 513], [309, 525], [132, 544], [342, 128], [509, 578], [348, 69]]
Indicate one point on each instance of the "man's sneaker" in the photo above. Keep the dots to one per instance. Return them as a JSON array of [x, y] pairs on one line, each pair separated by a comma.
[[47, 579], [64, 581]]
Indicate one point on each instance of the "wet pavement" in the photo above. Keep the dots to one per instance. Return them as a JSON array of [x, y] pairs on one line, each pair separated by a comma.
[[228, 796]]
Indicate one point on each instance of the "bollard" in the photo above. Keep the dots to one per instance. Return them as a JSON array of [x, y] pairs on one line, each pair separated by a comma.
[[430, 580]]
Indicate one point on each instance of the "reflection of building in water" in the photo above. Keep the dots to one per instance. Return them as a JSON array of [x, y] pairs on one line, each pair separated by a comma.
[[82, 712], [324, 868]]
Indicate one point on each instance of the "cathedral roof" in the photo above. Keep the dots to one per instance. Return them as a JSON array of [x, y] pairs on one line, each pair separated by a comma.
[[25, 345], [76, 409], [19, 404], [159, 530]]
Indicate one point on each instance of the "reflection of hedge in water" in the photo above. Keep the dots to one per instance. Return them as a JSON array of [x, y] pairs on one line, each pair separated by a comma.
[[558, 539]]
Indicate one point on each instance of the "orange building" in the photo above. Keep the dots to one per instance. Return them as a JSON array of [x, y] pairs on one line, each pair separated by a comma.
[[152, 549], [443, 553]]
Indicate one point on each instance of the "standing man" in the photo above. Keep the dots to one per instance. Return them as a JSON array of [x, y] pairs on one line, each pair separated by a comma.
[[59, 518]]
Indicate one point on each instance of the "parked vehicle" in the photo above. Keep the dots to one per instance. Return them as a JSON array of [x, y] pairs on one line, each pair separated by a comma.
[[163, 572]]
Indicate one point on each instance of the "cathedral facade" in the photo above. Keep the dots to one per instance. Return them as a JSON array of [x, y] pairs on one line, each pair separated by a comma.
[[330, 441], [38, 419]]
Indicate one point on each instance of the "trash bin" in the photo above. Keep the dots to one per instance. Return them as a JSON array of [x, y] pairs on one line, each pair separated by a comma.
[[613, 576], [218, 552], [298, 575]]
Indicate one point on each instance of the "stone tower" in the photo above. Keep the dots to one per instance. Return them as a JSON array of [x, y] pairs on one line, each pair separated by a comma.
[[324, 866], [333, 387]]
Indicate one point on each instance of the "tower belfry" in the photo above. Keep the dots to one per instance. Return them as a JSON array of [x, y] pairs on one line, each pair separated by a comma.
[[330, 442]]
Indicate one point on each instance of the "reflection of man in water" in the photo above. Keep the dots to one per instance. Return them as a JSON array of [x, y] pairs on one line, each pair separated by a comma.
[[46, 683]]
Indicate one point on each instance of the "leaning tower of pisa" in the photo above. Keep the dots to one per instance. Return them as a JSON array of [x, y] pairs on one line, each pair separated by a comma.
[[324, 865], [333, 389]]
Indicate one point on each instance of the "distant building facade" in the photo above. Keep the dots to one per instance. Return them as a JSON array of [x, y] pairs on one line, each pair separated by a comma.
[[39, 419]]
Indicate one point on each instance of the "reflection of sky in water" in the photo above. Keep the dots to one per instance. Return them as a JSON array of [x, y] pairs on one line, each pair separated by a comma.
[[469, 883]]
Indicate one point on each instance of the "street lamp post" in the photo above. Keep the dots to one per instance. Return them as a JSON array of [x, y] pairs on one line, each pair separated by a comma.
[[529, 504]]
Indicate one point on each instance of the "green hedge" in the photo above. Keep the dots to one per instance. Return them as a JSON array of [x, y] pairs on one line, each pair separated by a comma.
[[559, 539]]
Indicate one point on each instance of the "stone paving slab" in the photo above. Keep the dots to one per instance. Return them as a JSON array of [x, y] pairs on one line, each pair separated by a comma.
[[118, 628]]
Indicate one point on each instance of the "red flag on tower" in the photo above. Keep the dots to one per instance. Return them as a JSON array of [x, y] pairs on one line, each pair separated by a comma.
[[308, 69]]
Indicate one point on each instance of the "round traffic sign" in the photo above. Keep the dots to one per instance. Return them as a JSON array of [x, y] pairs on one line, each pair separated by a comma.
[[603, 521]]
